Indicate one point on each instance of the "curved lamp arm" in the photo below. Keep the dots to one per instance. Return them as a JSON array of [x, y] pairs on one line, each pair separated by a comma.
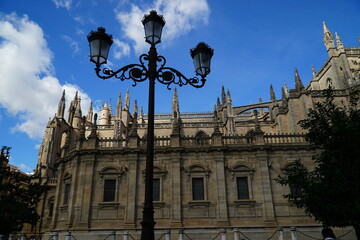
[[169, 75], [135, 72]]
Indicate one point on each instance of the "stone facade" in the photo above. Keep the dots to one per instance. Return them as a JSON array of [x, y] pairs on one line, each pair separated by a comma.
[[212, 170]]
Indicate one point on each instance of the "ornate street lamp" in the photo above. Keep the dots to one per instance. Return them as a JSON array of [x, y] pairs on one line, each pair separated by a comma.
[[100, 43]]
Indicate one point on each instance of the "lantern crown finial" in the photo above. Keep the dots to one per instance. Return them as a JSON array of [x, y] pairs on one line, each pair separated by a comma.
[[153, 25], [100, 43], [202, 55]]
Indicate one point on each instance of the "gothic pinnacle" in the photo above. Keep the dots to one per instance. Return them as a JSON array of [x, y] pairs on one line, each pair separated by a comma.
[[286, 90], [327, 37], [313, 71], [298, 83], [223, 96], [272, 94], [127, 100], [339, 43], [61, 106]]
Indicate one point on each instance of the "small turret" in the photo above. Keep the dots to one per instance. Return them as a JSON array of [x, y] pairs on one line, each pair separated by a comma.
[[104, 117], [298, 83]]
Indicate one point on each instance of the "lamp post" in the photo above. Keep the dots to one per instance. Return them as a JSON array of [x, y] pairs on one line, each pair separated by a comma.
[[100, 43]]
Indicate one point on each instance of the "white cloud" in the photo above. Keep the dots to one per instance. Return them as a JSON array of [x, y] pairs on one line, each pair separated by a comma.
[[121, 49], [28, 88], [181, 17], [63, 3], [73, 44], [24, 168]]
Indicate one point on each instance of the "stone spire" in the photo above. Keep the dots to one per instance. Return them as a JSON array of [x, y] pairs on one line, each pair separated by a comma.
[[61, 106], [127, 100], [71, 110], [298, 82], [328, 38], [286, 90], [218, 102], [119, 108], [77, 119], [261, 109], [134, 127], [339, 43], [272, 94], [141, 114], [93, 134], [216, 122], [223, 95], [78, 112], [230, 115], [175, 109], [135, 109], [283, 95], [313, 71], [89, 116], [229, 104]]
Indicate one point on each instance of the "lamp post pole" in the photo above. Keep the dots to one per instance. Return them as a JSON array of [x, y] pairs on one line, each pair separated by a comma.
[[100, 43], [148, 222]]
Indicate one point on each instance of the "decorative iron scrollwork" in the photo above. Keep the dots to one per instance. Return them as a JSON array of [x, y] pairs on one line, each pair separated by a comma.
[[139, 73]]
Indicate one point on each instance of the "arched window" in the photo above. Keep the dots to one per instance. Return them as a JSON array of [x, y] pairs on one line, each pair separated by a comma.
[[250, 136], [202, 138]]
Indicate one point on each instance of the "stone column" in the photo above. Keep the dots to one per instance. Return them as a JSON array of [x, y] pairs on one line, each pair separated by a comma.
[[176, 191], [268, 204], [85, 192], [131, 201], [58, 195], [175, 140], [222, 207], [73, 190]]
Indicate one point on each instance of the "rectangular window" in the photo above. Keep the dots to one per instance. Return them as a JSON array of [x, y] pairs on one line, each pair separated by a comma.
[[109, 190], [66, 193], [51, 209], [242, 187], [198, 188], [156, 189]]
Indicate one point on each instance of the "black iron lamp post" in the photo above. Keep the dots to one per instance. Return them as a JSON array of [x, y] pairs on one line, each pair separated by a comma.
[[100, 43]]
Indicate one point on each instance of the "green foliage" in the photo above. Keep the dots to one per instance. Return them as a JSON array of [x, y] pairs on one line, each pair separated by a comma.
[[330, 192], [19, 195]]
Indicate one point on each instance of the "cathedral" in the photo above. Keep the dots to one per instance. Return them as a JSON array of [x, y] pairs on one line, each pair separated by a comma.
[[212, 170]]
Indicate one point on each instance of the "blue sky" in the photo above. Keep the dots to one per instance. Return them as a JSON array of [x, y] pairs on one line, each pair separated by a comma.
[[43, 49]]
